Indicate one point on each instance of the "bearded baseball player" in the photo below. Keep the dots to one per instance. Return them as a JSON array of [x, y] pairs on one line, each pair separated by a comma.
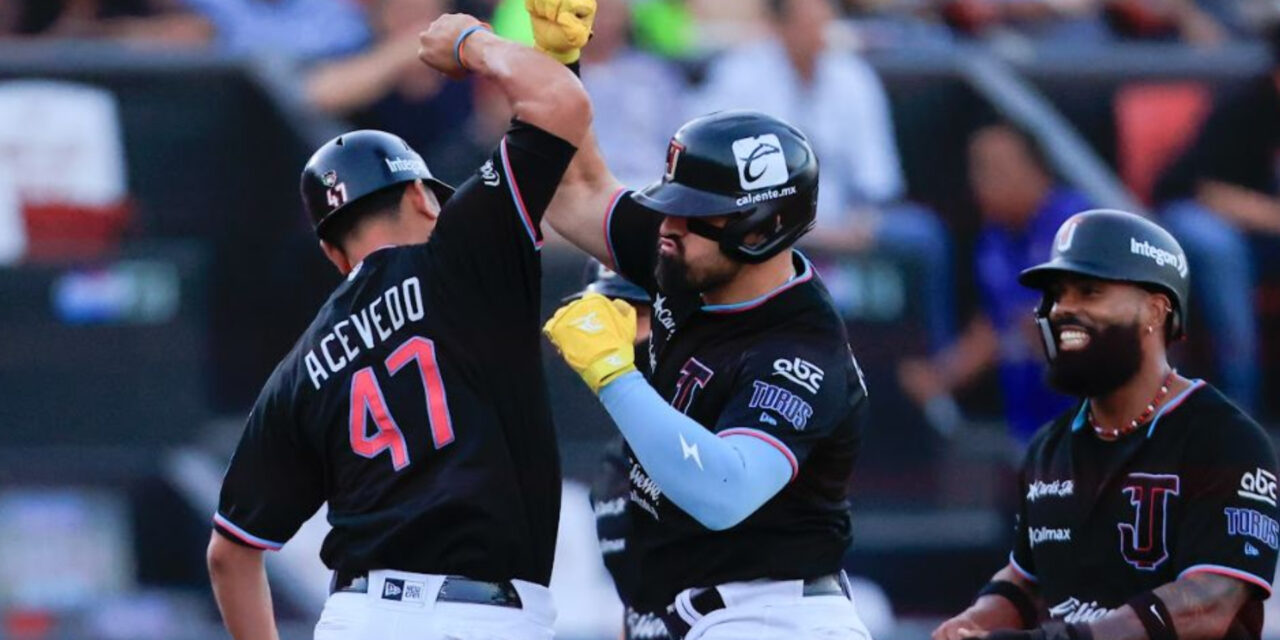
[[415, 404], [1148, 510]]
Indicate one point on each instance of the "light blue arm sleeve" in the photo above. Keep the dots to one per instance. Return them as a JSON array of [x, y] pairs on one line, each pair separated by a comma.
[[718, 481]]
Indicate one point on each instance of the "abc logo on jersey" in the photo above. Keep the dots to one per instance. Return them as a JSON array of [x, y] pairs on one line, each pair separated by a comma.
[[761, 163], [1258, 485], [799, 371]]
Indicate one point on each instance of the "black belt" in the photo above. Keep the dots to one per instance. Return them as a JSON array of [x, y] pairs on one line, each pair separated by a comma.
[[454, 589], [709, 600]]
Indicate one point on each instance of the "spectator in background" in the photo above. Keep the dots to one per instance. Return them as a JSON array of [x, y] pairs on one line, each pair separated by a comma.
[[157, 21], [838, 101], [385, 87], [1022, 207], [304, 30], [638, 98], [1220, 199]]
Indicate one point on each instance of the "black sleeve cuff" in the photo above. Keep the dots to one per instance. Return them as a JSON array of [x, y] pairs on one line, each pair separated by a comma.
[[532, 139]]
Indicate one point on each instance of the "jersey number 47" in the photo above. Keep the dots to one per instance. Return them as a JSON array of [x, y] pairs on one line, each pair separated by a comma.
[[367, 401]]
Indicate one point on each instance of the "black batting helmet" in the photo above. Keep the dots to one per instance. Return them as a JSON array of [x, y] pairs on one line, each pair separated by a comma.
[[1120, 246], [356, 164], [597, 278], [754, 167]]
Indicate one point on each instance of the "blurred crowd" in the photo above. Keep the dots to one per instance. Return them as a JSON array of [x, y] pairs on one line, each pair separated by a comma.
[[319, 29], [654, 63]]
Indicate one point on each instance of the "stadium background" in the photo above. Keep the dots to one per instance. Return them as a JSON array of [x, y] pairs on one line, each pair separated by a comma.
[[155, 263]]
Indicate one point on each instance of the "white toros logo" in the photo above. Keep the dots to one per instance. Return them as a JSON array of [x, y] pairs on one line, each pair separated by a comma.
[[1258, 485], [761, 163], [799, 371], [588, 323]]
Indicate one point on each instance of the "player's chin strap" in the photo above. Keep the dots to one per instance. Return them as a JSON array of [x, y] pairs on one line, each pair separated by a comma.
[[1046, 328]]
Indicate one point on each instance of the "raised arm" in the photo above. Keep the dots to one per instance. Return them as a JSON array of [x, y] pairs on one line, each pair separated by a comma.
[[560, 29], [542, 92], [583, 200]]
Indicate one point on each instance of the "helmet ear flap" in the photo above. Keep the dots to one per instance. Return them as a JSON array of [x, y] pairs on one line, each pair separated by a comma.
[[774, 224]]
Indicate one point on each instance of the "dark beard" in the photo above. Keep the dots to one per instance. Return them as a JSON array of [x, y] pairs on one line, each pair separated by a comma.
[[674, 277], [1112, 357]]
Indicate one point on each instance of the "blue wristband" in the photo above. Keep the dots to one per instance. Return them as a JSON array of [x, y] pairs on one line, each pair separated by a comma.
[[462, 37]]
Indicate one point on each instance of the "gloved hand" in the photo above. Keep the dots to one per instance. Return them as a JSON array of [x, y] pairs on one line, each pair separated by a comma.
[[561, 27], [595, 336]]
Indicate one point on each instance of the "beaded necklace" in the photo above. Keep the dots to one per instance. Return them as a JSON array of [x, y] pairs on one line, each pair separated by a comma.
[[1111, 435]]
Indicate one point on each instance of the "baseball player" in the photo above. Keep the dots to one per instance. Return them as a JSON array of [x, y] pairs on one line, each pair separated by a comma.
[[740, 449], [1148, 509], [415, 403]]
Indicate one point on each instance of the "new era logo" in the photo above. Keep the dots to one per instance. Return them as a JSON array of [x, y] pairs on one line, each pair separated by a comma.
[[1250, 550], [393, 589], [761, 163]]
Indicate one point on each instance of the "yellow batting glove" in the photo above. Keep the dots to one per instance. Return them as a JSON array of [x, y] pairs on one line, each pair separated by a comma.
[[595, 336], [561, 27]]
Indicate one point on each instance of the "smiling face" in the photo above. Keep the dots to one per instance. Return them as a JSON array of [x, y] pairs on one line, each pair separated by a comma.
[[1100, 327], [690, 262]]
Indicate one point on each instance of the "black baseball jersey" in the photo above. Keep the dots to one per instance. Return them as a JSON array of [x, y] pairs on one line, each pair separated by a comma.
[[415, 403], [778, 368], [1101, 522]]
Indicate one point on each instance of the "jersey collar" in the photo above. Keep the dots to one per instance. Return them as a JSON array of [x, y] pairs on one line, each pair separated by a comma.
[[1081, 418], [360, 265], [804, 273]]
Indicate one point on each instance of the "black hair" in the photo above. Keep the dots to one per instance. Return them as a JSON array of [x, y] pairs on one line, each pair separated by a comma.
[[381, 204]]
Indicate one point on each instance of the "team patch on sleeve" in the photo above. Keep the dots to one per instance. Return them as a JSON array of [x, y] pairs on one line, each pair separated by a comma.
[[1258, 485], [791, 407], [1251, 524], [800, 371]]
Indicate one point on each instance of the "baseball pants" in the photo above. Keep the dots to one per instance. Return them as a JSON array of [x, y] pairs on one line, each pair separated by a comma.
[[769, 610], [417, 606]]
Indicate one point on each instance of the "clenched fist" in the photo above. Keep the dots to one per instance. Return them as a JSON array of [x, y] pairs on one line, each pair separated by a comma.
[[595, 336], [436, 44], [561, 27]]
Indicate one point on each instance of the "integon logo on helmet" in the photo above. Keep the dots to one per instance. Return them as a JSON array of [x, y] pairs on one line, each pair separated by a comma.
[[396, 165], [1160, 256], [761, 163]]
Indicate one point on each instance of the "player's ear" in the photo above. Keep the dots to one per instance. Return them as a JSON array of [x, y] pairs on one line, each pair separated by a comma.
[[336, 256], [421, 200], [1159, 308]]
